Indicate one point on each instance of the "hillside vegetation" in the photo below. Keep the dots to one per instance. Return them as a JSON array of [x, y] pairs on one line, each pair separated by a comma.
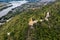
[[46, 30]]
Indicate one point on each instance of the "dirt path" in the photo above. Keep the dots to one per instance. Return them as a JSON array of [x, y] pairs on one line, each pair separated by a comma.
[[31, 29], [30, 33]]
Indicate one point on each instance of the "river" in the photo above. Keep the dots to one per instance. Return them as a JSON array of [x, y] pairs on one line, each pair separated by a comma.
[[15, 4]]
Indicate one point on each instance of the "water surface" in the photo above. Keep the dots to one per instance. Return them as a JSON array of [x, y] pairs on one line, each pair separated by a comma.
[[15, 4]]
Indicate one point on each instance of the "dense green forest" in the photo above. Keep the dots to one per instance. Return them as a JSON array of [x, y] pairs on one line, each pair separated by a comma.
[[47, 30]]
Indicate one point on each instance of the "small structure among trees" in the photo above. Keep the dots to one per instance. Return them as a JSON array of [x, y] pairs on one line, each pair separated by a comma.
[[47, 16], [32, 22]]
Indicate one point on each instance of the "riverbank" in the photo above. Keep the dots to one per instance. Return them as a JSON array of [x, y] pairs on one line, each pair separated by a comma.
[[8, 9]]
